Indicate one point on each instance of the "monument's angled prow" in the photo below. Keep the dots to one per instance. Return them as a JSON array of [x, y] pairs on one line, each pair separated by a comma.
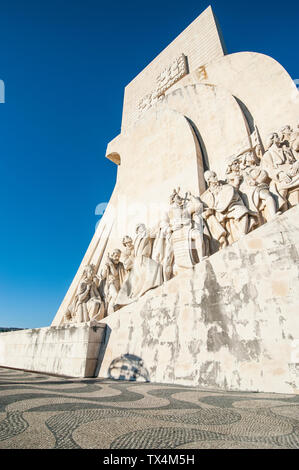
[[192, 274]]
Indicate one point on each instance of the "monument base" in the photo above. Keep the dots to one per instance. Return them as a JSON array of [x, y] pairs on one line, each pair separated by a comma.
[[230, 323], [70, 350]]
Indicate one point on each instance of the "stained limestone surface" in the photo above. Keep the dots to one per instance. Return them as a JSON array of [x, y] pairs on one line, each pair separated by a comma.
[[230, 323], [67, 350]]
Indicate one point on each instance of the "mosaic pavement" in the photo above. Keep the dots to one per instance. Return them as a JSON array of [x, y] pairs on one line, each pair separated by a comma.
[[40, 411]]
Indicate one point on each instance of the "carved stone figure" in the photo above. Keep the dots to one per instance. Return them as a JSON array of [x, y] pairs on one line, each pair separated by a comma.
[[285, 135], [258, 197], [168, 259], [227, 216], [248, 160], [162, 248], [283, 169], [114, 274], [252, 182], [128, 254], [88, 303], [233, 174], [199, 234], [259, 151], [145, 273], [178, 214], [186, 227]]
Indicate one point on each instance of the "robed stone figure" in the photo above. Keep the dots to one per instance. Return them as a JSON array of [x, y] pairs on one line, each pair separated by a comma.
[[145, 273], [87, 303], [227, 216]]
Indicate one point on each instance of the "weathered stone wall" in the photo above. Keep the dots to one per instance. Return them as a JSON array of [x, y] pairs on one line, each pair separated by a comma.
[[66, 350], [231, 323]]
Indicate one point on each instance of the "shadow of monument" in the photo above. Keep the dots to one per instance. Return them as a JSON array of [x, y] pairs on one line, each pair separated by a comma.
[[128, 367]]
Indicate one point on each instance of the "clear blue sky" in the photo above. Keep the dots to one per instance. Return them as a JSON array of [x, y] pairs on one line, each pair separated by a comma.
[[65, 66]]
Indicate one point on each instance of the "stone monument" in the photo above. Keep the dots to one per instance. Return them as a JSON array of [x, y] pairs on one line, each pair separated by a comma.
[[193, 267]]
